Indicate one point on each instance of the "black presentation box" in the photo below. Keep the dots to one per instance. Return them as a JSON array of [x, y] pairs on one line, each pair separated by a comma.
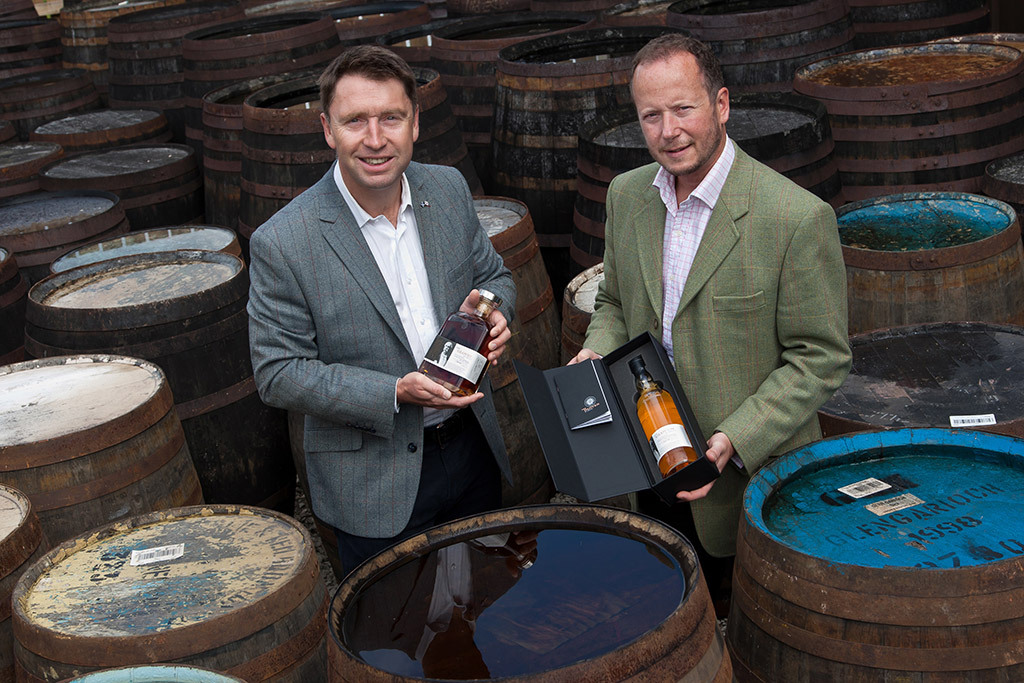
[[613, 458]]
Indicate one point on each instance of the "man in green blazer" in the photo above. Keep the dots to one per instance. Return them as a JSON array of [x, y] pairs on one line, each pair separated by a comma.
[[735, 268]]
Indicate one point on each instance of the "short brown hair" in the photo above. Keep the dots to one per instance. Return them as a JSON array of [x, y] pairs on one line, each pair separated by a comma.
[[671, 44], [369, 61]]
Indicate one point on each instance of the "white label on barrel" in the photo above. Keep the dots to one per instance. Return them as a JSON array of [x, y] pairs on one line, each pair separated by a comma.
[[865, 487], [161, 554], [971, 420], [885, 507]]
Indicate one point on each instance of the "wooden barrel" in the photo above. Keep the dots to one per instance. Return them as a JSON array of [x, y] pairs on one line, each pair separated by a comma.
[[232, 588], [158, 183], [465, 53], [893, 555], [882, 23], [283, 149], [261, 8], [414, 44], [7, 131], [84, 35], [20, 163], [222, 54], [637, 13], [762, 43], [222, 145], [608, 144], [605, 595], [91, 440], [105, 128], [919, 117], [1012, 39], [33, 99], [18, 9], [362, 23], [187, 237], [184, 311], [440, 140], [789, 133], [157, 673], [577, 309], [961, 374], [13, 299], [591, 6], [472, 8], [1004, 180], [546, 88], [37, 228], [21, 543], [28, 45], [144, 53], [931, 257]]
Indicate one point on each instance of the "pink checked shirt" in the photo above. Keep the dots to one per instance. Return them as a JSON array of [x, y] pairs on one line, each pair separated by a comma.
[[685, 222]]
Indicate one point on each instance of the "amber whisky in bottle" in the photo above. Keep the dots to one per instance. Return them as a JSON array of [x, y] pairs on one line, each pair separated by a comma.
[[661, 422], [457, 360]]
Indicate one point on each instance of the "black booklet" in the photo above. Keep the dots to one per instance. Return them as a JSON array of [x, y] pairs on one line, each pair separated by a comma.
[[582, 396]]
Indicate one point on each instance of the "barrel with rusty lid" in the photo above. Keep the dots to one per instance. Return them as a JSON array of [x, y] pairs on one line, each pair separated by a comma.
[[232, 588], [38, 227], [762, 43], [789, 133], [608, 144], [888, 555], [440, 140], [881, 23], [158, 183], [959, 374], [1004, 180], [13, 299], [20, 163], [577, 309], [28, 45], [184, 311], [22, 542], [104, 128], [362, 23], [92, 439], [926, 257], [537, 593], [174, 238], [156, 673], [916, 118], [30, 100]]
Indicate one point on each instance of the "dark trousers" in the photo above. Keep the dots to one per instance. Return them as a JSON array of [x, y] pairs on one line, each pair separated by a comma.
[[459, 478]]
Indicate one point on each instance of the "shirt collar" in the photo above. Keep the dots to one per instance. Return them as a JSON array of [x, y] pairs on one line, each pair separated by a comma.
[[360, 214], [709, 189]]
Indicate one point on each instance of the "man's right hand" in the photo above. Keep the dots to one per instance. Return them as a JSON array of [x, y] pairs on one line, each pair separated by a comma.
[[584, 354], [419, 389]]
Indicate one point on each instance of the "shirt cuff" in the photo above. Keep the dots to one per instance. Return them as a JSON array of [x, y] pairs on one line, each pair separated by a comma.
[[396, 394]]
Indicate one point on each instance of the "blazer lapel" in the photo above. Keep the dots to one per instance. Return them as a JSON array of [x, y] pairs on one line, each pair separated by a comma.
[[431, 231], [347, 241], [650, 245]]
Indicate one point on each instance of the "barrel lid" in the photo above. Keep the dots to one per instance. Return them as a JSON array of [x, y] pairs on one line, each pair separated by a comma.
[[577, 53], [14, 511], [103, 119], [177, 582], [498, 215], [756, 120], [498, 30], [53, 408], [582, 289], [205, 237], [13, 154], [121, 161], [41, 212], [156, 673]]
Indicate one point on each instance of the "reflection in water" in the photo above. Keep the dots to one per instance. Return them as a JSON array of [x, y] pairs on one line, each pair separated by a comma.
[[511, 605]]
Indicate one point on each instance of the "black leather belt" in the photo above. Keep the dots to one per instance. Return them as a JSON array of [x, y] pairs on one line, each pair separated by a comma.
[[442, 433]]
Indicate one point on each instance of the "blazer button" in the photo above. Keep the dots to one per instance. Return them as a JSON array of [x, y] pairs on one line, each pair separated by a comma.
[[412, 448]]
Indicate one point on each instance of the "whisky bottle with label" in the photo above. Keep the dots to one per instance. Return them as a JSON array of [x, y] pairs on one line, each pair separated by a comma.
[[457, 360], [661, 422]]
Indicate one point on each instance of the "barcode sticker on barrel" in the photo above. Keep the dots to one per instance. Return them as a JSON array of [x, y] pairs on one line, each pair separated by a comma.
[[971, 420], [161, 554], [865, 487], [890, 505]]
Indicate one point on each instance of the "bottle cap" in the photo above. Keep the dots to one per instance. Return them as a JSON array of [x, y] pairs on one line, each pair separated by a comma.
[[637, 365], [490, 296]]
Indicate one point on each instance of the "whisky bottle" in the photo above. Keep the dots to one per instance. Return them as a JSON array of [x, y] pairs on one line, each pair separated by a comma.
[[457, 359], [660, 420]]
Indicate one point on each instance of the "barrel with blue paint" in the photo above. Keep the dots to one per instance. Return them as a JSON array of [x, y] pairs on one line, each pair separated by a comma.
[[156, 674], [924, 257], [890, 555]]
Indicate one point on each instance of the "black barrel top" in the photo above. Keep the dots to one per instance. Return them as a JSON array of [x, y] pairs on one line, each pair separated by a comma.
[[118, 162], [104, 119], [43, 211]]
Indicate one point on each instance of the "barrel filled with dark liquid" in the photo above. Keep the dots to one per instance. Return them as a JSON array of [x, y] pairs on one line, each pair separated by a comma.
[[547, 592]]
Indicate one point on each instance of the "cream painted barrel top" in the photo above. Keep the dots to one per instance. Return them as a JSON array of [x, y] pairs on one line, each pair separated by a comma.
[[166, 575], [496, 216], [141, 282], [207, 237], [14, 508], [583, 287], [43, 400]]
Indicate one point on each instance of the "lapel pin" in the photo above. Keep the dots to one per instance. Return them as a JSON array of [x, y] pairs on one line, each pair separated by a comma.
[[424, 204]]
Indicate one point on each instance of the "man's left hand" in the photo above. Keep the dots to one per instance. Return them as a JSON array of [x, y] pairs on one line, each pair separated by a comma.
[[500, 334], [719, 451]]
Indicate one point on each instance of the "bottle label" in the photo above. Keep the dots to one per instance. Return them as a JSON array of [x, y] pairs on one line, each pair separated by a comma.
[[668, 437], [457, 359]]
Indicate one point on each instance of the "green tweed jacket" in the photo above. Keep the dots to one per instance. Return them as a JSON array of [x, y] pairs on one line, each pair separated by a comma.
[[760, 336]]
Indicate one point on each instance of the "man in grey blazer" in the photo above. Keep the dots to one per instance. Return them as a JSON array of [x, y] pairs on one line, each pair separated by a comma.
[[350, 283]]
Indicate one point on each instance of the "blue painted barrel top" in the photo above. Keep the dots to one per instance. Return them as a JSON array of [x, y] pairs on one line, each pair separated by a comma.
[[156, 674], [918, 221], [907, 498]]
